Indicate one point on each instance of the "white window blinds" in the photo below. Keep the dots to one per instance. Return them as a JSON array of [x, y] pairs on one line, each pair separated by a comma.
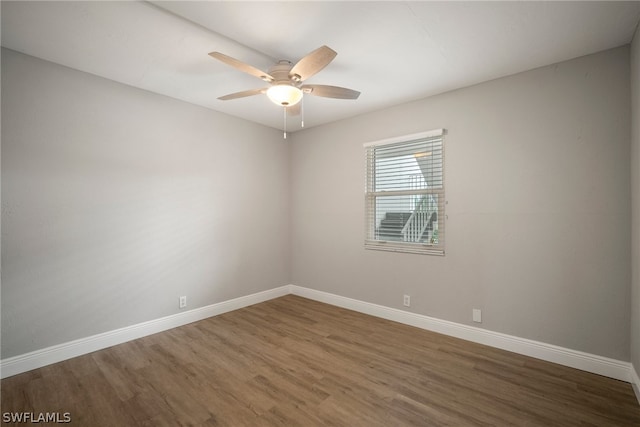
[[404, 194]]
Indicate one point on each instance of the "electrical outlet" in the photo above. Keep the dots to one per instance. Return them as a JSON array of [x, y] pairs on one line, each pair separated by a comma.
[[477, 315], [407, 301], [183, 302]]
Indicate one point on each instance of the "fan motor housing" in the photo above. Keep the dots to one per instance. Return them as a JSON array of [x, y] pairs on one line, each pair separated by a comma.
[[280, 73]]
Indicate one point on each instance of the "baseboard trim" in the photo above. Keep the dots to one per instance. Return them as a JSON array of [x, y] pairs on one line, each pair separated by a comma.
[[57, 353], [612, 368], [635, 382]]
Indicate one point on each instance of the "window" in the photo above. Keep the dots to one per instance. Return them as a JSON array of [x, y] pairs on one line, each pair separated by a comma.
[[404, 194]]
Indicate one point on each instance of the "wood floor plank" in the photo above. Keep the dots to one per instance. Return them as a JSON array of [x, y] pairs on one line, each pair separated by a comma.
[[296, 362]]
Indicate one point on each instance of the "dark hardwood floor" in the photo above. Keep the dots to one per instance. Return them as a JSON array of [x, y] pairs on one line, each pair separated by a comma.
[[296, 362]]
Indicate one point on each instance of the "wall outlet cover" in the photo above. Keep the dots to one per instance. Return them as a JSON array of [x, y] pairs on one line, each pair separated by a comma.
[[406, 301]]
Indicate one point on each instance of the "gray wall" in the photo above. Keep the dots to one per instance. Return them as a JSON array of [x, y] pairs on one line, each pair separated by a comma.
[[538, 229], [635, 203], [116, 201]]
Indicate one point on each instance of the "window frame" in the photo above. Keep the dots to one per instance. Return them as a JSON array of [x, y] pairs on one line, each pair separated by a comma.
[[370, 197]]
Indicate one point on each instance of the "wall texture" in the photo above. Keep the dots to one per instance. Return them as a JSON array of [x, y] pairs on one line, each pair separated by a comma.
[[635, 203], [538, 228], [116, 201]]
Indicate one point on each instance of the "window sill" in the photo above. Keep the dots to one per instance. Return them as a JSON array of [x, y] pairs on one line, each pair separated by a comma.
[[412, 248]]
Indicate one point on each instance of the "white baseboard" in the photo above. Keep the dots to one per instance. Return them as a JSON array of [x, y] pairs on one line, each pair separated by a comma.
[[57, 353], [612, 368], [635, 382], [576, 359]]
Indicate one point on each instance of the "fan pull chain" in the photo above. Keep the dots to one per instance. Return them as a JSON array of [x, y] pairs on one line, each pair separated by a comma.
[[302, 112], [284, 109]]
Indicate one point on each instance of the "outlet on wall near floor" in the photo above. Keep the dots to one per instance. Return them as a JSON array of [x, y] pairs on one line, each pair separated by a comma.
[[406, 301], [477, 315], [183, 302]]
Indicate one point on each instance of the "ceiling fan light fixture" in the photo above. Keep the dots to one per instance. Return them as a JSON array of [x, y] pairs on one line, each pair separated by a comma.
[[284, 95]]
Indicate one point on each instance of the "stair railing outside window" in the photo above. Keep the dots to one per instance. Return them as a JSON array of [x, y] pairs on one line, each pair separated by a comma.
[[421, 221]]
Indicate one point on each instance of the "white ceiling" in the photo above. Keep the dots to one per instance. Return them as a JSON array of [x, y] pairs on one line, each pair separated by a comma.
[[393, 52]]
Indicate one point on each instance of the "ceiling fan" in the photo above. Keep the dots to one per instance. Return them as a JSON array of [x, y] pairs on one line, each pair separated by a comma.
[[286, 80]]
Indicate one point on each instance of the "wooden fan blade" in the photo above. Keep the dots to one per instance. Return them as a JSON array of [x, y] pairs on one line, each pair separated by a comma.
[[242, 94], [312, 63], [330, 91], [242, 66], [294, 110]]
